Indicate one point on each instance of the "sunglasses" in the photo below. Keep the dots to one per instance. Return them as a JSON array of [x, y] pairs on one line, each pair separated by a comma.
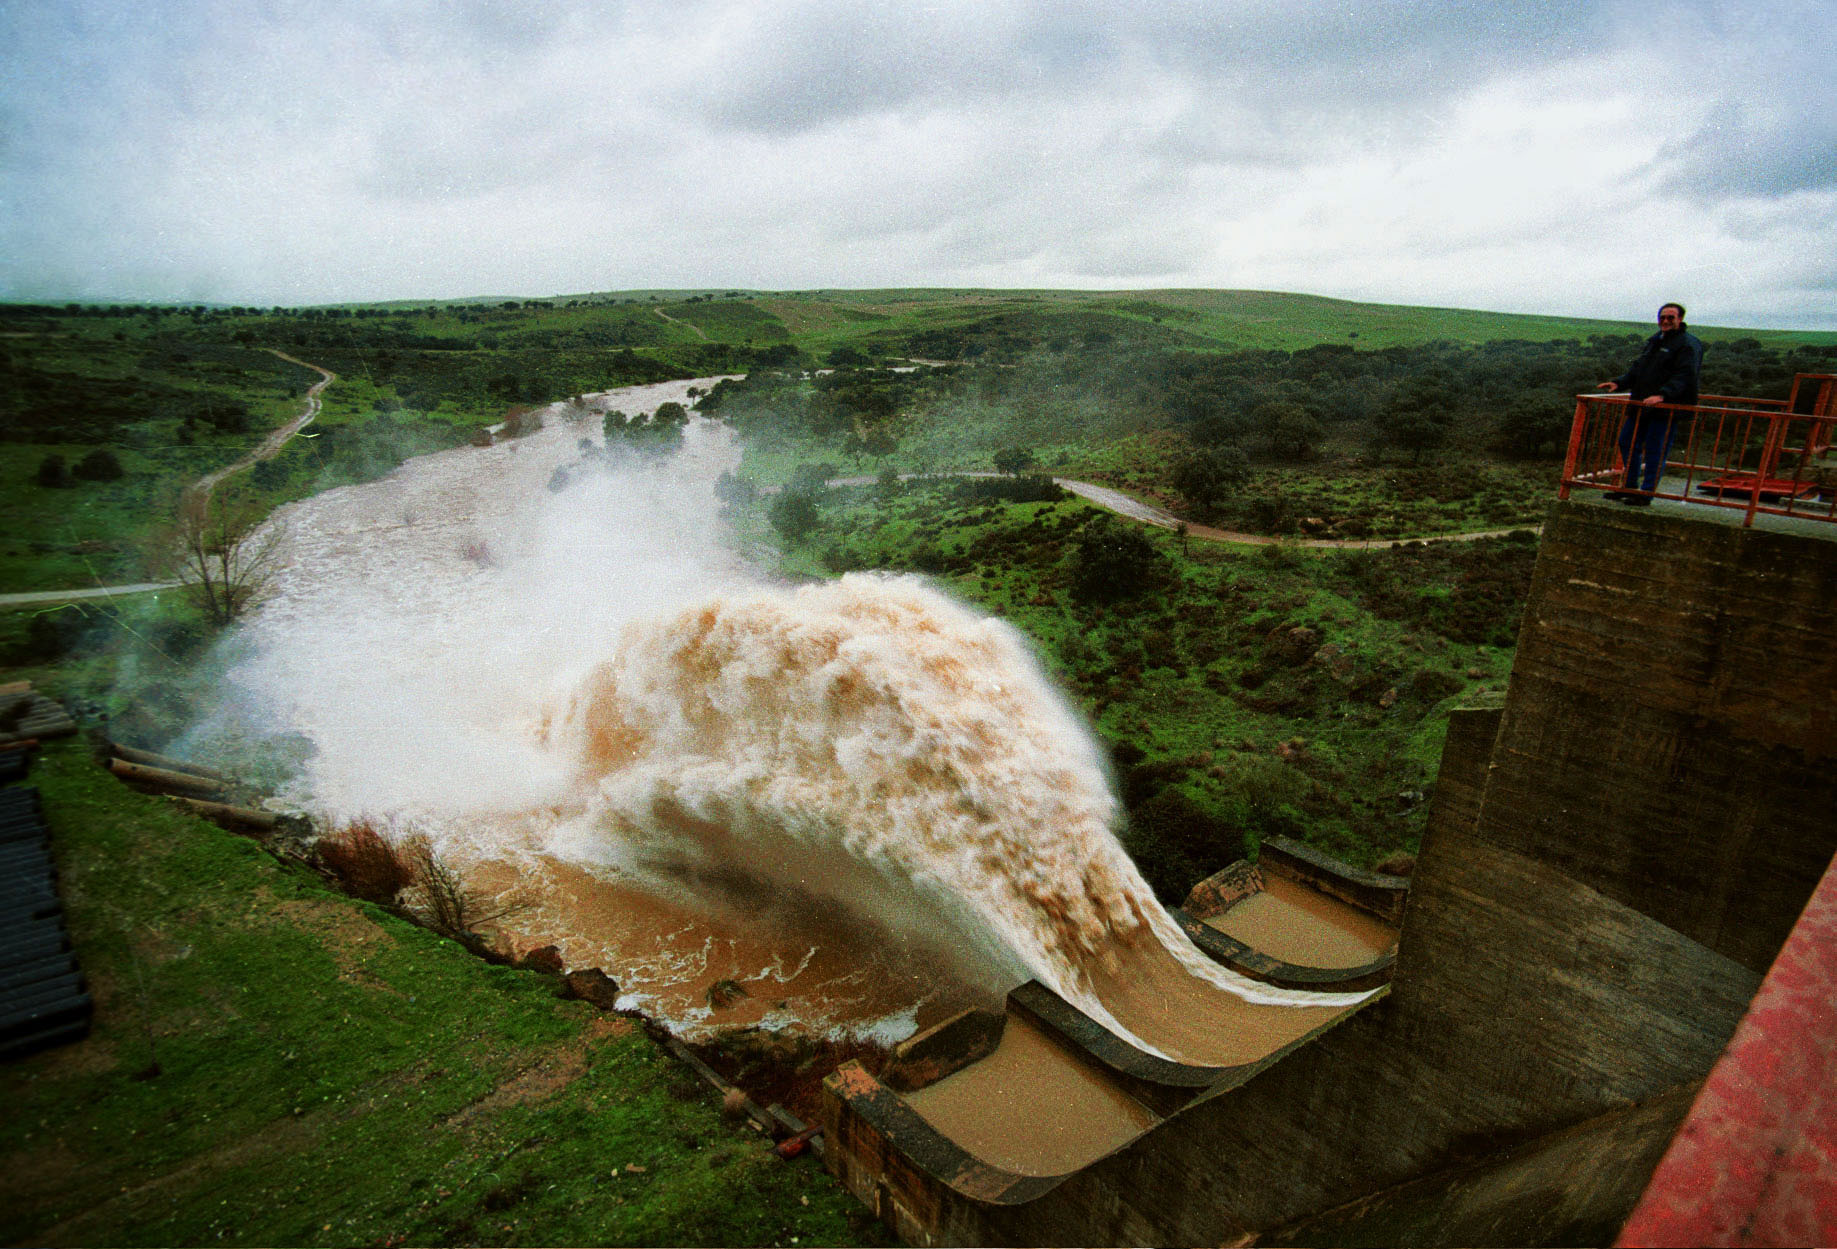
[[1667, 316]]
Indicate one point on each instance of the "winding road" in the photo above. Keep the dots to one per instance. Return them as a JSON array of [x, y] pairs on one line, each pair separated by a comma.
[[1127, 505], [198, 496]]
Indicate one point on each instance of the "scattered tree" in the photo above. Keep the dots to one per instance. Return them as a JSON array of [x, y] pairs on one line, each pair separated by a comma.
[[99, 465], [813, 478], [1209, 476], [659, 433], [876, 440], [1533, 427], [1013, 460], [1292, 433], [735, 490], [226, 557], [794, 514], [888, 485], [1419, 414]]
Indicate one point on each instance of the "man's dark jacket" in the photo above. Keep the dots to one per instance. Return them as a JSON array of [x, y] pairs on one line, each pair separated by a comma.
[[1667, 366]]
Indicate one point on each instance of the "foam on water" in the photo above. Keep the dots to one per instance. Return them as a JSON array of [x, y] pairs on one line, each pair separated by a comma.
[[570, 688]]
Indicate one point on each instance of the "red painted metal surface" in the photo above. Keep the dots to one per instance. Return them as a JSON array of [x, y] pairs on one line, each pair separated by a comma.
[[1722, 447], [1744, 483], [1755, 1162]]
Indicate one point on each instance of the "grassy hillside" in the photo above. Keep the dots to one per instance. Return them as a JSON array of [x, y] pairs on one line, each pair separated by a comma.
[[1219, 319], [273, 1063]]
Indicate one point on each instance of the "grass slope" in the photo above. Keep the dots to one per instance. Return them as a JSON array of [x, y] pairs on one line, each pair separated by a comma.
[[273, 1063], [1279, 320]]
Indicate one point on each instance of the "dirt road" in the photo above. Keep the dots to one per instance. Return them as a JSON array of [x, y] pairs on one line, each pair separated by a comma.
[[1127, 505], [197, 496]]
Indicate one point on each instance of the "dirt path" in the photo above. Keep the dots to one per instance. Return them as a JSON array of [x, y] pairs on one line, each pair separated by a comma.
[[27, 598], [1127, 505], [197, 496], [693, 329]]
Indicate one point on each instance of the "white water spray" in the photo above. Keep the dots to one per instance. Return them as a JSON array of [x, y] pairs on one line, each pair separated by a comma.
[[589, 680]]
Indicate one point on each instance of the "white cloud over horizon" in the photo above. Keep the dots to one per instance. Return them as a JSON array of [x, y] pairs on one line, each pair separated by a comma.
[[1581, 159]]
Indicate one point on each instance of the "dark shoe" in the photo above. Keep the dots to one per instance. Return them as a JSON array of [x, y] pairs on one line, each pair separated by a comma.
[[1618, 496], [1638, 500]]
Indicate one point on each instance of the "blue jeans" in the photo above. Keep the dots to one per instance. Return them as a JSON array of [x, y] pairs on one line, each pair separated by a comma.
[[1645, 441]]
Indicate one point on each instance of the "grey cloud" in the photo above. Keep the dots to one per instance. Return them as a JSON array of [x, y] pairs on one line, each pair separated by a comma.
[[345, 149], [1757, 74], [820, 64], [1743, 153]]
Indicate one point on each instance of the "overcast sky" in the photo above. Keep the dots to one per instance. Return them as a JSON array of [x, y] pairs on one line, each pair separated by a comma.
[[1579, 158]]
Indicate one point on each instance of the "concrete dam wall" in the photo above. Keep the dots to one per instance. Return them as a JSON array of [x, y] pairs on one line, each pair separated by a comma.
[[1612, 862]]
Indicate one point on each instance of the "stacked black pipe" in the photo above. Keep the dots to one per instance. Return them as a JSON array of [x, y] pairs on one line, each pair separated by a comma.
[[43, 1000]]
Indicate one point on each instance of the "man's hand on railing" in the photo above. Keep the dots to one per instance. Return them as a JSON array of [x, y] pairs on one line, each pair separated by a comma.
[[1650, 401]]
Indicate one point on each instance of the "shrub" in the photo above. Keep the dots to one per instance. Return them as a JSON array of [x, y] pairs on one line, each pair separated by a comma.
[[1033, 488], [1113, 562], [1271, 513], [53, 634], [1013, 460], [99, 465], [365, 863], [445, 904], [1431, 685], [52, 472], [1177, 843]]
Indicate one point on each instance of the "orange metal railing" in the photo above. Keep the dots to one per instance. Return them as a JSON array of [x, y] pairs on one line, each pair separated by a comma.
[[1770, 457]]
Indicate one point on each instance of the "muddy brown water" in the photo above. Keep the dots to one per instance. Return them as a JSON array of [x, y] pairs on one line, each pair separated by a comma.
[[1036, 1108], [548, 683], [831, 973], [1031, 1107], [1299, 925]]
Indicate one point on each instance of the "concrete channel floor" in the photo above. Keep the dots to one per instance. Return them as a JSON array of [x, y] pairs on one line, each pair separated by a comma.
[[1032, 1107], [1288, 921]]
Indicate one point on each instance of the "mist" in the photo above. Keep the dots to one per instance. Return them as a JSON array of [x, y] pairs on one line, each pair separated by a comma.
[[860, 798]]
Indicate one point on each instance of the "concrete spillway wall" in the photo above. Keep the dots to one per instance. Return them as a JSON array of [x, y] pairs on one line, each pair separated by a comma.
[[1612, 860], [1672, 724]]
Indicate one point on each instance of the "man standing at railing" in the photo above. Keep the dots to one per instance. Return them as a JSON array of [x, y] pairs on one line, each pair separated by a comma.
[[1665, 373]]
